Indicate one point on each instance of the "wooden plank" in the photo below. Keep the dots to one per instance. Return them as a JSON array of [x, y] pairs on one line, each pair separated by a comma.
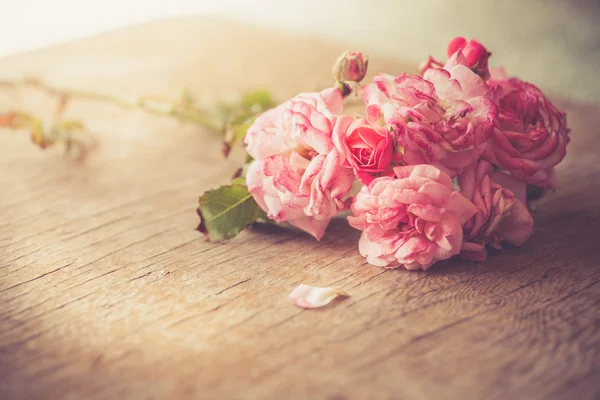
[[106, 290]]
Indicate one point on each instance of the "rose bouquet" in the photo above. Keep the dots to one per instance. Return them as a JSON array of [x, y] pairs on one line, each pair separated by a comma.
[[440, 163], [447, 158]]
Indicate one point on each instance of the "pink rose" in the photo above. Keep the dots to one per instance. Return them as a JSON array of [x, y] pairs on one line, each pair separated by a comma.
[[305, 193], [444, 118], [298, 175], [412, 221], [304, 122], [500, 214], [517, 227], [531, 135], [367, 147], [475, 55]]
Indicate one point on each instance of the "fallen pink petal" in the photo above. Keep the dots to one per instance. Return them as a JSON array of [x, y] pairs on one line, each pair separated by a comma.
[[306, 296]]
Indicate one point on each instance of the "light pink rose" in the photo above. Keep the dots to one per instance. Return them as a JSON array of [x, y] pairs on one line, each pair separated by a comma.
[[444, 118], [531, 135], [305, 193], [304, 122], [500, 216], [298, 176], [412, 221], [367, 147]]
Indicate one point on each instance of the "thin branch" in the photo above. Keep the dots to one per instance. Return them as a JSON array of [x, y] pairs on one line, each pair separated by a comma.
[[151, 105]]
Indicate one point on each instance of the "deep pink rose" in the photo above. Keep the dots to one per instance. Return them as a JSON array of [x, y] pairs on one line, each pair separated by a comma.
[[475, 55], [298, 176], [304, 122], [501, 215], [531, 135], [413, 220], [444, 118], [367, 147]]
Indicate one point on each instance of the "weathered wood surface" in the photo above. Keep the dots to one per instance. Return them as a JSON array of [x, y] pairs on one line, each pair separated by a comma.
[[106, 290]]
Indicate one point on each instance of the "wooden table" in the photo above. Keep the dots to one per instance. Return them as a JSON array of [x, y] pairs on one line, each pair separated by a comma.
[[107, 291]]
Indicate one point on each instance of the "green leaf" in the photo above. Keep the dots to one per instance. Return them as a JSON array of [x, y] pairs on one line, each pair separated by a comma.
[[239, 181], [260, 99], [238, 117], [235, 132], [227, 210]]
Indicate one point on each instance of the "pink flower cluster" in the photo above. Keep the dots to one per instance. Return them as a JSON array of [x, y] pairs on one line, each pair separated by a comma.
[[444, 156]]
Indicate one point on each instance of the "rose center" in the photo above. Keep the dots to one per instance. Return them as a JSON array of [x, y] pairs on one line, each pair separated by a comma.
[[305, 152]]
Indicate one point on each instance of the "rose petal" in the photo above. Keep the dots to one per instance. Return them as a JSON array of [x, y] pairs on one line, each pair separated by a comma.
[[306, 296]]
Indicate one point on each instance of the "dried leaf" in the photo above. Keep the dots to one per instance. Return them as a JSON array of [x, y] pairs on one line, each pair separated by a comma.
[[8, 120], [306, 296], [226, 211], [38, 135], [17, 120], [63, 100]]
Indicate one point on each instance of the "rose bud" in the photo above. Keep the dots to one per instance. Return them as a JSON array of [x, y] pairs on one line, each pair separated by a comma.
[[476, 55], [351, 66]]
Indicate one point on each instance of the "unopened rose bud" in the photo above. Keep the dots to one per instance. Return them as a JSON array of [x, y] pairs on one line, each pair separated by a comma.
[[475, 53], [351, 66]]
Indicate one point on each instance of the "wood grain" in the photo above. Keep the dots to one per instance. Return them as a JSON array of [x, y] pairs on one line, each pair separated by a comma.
[[106, 290]]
